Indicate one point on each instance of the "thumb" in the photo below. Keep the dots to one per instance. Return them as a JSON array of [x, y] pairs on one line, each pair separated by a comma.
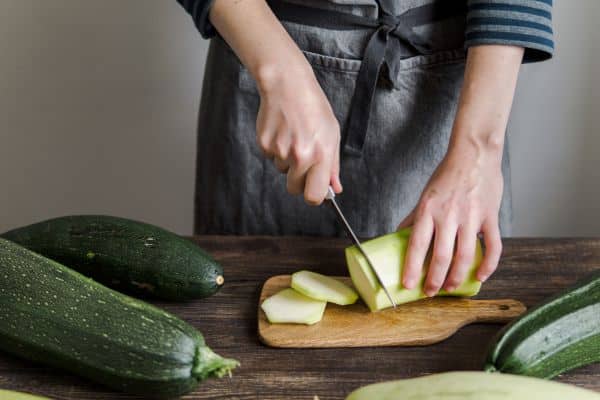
[[336, 183]]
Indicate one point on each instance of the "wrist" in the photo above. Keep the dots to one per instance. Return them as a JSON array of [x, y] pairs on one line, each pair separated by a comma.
[[479, 147], [478, 135], [270, 74]]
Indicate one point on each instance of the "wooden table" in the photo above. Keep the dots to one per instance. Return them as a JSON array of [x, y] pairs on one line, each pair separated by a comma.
[[530, 270]]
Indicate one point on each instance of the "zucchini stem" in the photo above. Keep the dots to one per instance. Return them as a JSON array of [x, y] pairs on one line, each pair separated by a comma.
[[490, 368], [207, 364]]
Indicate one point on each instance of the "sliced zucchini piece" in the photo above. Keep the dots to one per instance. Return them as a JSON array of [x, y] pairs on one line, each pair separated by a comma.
[[324, 288], [290, 307]]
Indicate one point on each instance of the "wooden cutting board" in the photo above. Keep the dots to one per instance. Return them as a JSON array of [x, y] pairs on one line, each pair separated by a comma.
[[418, 323]]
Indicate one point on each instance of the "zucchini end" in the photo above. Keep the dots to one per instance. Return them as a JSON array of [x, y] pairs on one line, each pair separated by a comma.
[[208, 364], [488, 367]]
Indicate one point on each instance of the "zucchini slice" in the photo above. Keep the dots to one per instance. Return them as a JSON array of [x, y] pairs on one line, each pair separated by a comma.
[[290, 307], [324, 288]]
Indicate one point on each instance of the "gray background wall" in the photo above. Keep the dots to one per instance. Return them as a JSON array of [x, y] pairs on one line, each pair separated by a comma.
[[98, 103]]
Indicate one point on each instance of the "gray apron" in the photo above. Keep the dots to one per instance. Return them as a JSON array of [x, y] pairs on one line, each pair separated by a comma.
[[392, 71]]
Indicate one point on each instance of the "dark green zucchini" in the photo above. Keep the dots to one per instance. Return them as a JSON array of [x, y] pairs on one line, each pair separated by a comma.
[[56, 316], [556, 336], [130, 256]]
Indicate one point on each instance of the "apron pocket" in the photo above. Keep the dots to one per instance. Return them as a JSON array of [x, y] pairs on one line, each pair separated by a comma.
[[323, 66], [344, 65]]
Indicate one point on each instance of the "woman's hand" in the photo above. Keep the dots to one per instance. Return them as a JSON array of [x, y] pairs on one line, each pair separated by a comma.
[[295, 125], [461, 200], [296, 128], [463, 196]]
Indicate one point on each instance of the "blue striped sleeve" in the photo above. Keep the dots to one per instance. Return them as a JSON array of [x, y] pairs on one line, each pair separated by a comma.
[[525, 23], [199, 10]]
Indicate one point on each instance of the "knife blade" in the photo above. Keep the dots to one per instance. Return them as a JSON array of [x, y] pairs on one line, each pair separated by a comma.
[[331, 198]]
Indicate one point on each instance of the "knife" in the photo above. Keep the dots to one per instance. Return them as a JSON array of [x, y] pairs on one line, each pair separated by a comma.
[[331, 198]]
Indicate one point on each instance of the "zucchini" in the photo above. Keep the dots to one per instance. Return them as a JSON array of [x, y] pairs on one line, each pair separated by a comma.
[[290, 307], [387, 254], [472, 385], [12, 395], [324, 288], [54, 315], [561, 334], [129, 256]]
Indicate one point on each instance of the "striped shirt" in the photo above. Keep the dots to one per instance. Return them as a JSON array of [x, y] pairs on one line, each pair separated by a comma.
[[523, 23]]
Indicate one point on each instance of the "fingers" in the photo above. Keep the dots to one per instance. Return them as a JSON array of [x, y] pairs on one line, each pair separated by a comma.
[[336, 184], [275, 144], [266, 130], [493, 249], [418, 244], [301, 161], [443, 248], [463, 257], [303, 143], [281, 143], [282, 165], [314, 165], [310, 171], [318, 178]]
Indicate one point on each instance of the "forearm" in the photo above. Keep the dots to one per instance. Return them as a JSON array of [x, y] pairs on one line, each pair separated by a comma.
[[463, 196], [258, 39], [485, 101], [295, 125]]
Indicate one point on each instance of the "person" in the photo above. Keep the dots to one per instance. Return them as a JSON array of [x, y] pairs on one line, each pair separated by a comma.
[[404, 102]]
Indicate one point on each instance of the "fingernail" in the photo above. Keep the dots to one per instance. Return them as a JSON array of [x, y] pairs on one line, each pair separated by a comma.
[[409, 283], [450, 288], [482, 278]]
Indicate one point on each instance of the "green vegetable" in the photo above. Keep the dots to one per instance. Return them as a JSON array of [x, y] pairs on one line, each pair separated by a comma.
[[324, 288], [472, 386], [54, 315], [556, 336], [11, 395], [126, 255], [387, 255], [290, 307]]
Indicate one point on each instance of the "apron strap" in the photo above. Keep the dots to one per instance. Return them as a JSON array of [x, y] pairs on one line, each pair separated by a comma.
[[380, 49]]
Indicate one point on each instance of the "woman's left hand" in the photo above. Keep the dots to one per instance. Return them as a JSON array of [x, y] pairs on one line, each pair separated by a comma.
[[461, 200]]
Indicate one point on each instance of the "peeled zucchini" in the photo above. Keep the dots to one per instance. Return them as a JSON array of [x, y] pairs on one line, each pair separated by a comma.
[[387, 255], [11, 395], [472, 386]]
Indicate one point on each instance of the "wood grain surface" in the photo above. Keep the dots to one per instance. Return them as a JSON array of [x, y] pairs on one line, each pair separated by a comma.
[[419, 323], [530, 270]]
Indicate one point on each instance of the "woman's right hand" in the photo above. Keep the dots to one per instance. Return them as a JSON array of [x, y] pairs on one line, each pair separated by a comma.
[[297, 129]]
